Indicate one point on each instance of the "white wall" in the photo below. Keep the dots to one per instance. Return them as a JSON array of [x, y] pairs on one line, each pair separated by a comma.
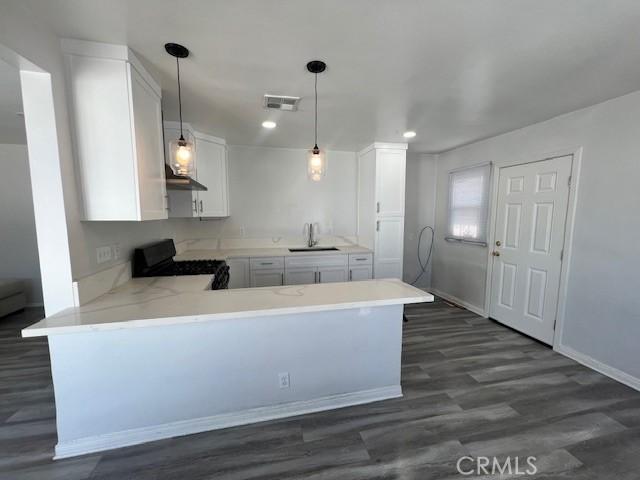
[[39, 45], [420, 199], [602, 320], [18, 244], [271, 195]]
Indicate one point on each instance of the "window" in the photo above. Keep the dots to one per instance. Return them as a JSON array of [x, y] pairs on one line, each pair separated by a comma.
[[469, 204]]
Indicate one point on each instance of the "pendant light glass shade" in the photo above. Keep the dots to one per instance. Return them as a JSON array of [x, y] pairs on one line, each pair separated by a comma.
[[316, 164], [316, 159], [182, 153]]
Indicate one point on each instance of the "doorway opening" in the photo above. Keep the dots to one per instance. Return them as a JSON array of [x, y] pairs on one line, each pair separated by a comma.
[[43, 153]]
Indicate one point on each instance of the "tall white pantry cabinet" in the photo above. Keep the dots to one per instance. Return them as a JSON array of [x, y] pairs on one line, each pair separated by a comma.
[[115, 105], [381, 188]]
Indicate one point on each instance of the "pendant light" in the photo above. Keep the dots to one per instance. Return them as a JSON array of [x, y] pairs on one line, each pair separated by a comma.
[[316, 161], [181, 150]]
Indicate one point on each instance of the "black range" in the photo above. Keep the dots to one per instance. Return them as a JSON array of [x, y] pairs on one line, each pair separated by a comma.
[[156, 260]]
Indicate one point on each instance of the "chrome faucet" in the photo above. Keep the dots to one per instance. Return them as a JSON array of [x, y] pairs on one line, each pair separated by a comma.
[[310, 241]]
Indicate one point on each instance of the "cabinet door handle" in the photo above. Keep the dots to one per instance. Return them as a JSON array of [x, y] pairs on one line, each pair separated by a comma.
[[377, 225], [195, 205], [168, 205], [201, 208], [319, 277], [266, 263], [282, 278], [350, 275], [360, 259], [377, 207]]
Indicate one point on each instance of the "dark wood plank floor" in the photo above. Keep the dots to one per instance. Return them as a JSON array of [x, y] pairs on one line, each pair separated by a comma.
[[472, 387]]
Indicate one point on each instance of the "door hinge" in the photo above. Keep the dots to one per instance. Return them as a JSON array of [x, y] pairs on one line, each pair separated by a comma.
[[569, 181]]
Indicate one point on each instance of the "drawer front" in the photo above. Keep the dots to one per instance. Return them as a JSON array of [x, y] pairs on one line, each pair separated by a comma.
[[360, 259], [267, 262], [316, 261]]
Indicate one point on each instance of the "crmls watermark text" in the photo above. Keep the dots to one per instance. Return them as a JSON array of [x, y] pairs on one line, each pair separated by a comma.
[[495, 466]]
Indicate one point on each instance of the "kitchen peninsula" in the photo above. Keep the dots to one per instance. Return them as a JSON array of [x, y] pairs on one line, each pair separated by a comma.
[[162, 357]]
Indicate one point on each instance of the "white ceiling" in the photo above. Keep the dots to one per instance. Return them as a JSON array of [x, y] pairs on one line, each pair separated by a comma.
[[11, 124], [453, 70]]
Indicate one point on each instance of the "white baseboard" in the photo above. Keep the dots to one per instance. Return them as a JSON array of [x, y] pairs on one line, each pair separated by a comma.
[[185, 427], [598, 366], [458, 301]]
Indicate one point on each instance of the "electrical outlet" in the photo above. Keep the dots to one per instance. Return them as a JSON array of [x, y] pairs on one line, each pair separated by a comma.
[[116, 251], [103, 254], [283, 380]]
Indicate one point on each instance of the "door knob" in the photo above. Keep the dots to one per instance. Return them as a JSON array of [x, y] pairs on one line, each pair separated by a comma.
[[498, 243], [495, 254]]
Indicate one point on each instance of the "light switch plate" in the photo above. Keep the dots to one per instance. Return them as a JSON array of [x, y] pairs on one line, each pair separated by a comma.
[[103, 254]]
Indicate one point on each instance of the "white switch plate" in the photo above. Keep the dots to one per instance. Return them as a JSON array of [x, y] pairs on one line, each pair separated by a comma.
[[103, 254], [283, 380]]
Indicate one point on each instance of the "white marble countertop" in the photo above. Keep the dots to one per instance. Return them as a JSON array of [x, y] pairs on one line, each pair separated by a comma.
[[224, 254], [156, 301]]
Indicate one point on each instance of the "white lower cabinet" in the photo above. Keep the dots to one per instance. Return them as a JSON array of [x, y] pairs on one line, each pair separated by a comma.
[[266, 271], [239, 273], [389, 247], [299, 270], [269, 277], [300, 276], [305, 270], [332, 274], [361, 272]]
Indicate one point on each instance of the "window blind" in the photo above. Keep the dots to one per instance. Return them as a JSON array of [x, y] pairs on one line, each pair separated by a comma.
[[469, 204]]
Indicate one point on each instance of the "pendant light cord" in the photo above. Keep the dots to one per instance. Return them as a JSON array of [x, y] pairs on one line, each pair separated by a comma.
[[316, 113], [179, 98]]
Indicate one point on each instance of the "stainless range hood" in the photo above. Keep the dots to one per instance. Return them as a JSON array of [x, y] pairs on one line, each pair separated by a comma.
[[181, 182]]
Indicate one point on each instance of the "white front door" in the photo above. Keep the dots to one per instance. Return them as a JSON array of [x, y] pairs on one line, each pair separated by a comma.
[[529, 237]]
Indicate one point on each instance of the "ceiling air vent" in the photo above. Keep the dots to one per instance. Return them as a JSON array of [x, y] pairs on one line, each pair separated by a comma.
[[281, 102]]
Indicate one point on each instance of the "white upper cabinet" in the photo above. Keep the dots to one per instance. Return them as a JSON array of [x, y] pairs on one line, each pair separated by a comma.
[[381, 189], [211, 170], [115, 105], [390, 182]]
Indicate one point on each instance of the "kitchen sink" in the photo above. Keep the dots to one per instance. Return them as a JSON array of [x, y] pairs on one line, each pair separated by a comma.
[[313, 249]]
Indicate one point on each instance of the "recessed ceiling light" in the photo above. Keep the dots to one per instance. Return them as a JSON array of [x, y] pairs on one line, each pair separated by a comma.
[[269, 124], [409, 134]]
